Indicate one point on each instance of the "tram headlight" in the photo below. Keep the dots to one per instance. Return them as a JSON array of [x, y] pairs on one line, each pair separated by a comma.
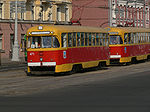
[[41, 59]]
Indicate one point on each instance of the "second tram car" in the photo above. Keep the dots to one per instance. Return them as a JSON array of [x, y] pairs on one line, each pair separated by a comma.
[[63, 48], [129, 44]]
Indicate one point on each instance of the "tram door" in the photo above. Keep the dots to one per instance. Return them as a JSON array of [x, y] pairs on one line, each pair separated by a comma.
[[11, 45]]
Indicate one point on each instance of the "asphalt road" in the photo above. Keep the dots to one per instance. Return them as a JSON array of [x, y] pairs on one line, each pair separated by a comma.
[[127, 93]]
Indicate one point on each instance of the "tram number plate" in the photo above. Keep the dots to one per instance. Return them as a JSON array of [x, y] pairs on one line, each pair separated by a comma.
[[64, 55]]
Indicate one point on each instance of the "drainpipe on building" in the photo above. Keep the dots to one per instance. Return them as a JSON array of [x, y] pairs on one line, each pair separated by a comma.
[[15, 55]]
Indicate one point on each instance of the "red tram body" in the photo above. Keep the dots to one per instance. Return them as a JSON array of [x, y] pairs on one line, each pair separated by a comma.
[[129, 44], [66, 48]]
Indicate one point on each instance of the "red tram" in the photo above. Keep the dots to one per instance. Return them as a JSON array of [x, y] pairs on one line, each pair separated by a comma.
[[66, 48], [128, 45]]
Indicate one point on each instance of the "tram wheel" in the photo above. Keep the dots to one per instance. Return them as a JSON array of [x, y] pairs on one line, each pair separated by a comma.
[[134, 60], [72, 71]]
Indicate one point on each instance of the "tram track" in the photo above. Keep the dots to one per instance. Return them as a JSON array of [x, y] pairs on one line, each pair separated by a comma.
[[15, 82]]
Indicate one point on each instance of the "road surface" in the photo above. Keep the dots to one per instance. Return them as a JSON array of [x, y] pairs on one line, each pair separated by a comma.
[[116, 89]]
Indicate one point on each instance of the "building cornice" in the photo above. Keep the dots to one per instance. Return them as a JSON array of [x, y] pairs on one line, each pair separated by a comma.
[[33, 22]]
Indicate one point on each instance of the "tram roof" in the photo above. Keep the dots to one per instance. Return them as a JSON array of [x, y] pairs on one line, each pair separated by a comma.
[[67, 28], [129, 29]]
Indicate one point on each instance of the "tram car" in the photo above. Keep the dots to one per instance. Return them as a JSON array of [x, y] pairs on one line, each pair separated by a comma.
[[129, 44], [62, 48]]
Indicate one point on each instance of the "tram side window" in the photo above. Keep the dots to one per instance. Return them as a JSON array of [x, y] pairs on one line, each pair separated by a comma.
[[74, 39], [129, 38], [132, 38], [69, 39], [64, 39], [97, 39], [78, 39], [104, 39], [125, 38], [144, 37], [101, 39], [82, 39], [141, 37], [148, 37], [107, 40], [56, 43], [93, 39], [90, 36], [86, 39], [137, 38]]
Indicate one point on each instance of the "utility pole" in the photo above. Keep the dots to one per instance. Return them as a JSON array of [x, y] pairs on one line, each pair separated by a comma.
[[110, 13], [144, 14], [15, 55]]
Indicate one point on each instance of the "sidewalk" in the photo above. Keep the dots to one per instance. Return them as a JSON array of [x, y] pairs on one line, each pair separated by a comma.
[[12, 64]]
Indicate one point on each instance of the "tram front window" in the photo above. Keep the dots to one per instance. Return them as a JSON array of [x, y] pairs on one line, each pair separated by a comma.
[[115, 39], [43, 42]]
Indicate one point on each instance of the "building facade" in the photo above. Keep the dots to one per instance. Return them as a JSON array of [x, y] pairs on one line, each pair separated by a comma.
[[30, 13], [102, 13], [131, 13], [90, 12]]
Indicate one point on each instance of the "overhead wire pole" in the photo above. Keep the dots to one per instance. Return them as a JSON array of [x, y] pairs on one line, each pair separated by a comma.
[[15, 55], [144, 13], [110, 13]]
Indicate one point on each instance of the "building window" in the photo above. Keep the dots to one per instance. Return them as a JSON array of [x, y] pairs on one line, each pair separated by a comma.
[[138, 14], [22, 15], [66, 14], [41, 13], [59, 14], [50, 13], [50, 16], [1, 10], [12, 15], [1, 42]]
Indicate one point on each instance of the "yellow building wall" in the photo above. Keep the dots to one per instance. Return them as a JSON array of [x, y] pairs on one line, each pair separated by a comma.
[[36, 5]]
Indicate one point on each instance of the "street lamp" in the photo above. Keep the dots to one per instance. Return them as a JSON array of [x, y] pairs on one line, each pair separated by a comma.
[[15, 52]]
